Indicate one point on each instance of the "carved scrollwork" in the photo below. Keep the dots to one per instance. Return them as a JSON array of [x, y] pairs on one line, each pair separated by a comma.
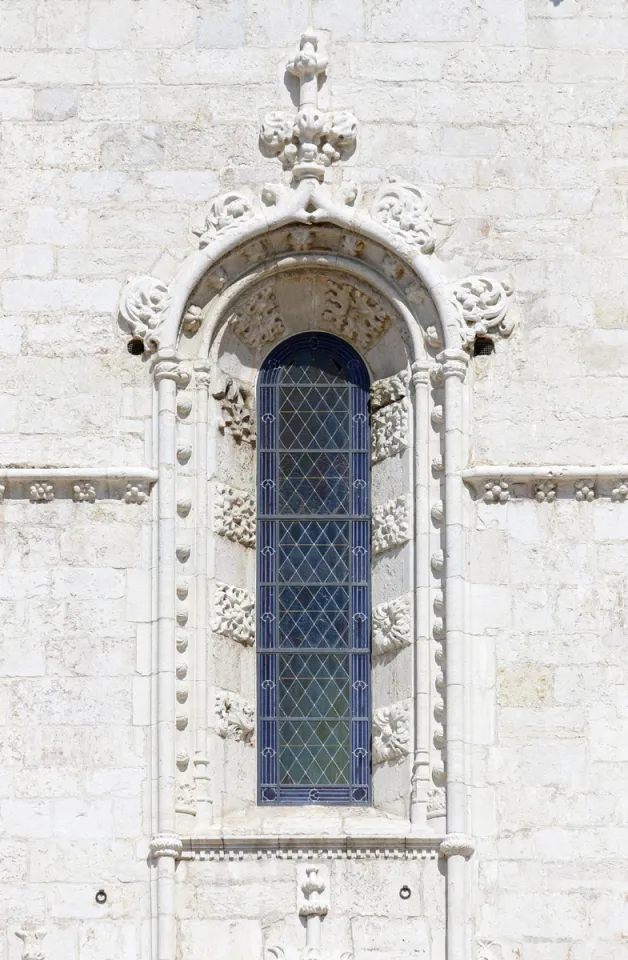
[[406, 212], [358, 316], [257, 320], [235, 718], [143, 303], [391, 525], [391, 733], [234, 515], [392, 626], [237, 413], [483, 304], [235, 613], [225, 213]]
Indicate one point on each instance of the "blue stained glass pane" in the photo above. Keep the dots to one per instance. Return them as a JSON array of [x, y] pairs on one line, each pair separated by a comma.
[[314, 574]]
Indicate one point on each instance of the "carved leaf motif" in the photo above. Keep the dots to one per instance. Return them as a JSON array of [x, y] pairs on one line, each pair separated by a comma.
[[237, 414], [391, 525], [388, 390], [391, 733], [235, 613], [143, 303], [225, 213], [234, 515], [185, 798], [257, 319], [235, 718], [483, 303], [406, 212], [392, 626], [436, 805], [358, 316], [389, 431]]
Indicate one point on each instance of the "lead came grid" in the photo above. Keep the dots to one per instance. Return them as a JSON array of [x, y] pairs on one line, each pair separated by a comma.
[[314, 572]]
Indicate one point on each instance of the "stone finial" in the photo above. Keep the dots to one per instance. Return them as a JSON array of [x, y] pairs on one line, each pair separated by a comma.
[[312, 140]]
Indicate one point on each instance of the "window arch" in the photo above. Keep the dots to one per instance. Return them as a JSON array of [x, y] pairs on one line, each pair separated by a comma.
[[313, 574]]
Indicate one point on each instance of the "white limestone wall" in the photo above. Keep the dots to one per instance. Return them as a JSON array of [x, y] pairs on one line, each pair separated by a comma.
[[119, 120]]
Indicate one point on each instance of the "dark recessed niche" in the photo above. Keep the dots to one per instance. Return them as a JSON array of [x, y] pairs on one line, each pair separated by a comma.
[[483, 347], [135, 347]]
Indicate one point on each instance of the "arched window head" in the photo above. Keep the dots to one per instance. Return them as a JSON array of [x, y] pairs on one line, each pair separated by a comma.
[[313, 574]]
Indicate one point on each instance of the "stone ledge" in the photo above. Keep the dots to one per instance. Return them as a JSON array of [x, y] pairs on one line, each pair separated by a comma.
[[312, 847]]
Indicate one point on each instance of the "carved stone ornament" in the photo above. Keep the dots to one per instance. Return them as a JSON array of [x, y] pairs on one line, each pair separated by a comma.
[[235, 614], [392, 626], [483, 304], [234, 515], [355, 315], [136, 493], [389, 431], [545, 491], [436, 803], [32, 948], [142, 306], [389, 390], [83, 492], [312, 887], [312, 140], [226, 212], [406, 212], [185, 799], [457, 845], [496, 491], [256, 320], [391, 733], [391, 525], [42, 493], [237, 413], [584, 490], [165, 845], [275, 952], [235, 718]]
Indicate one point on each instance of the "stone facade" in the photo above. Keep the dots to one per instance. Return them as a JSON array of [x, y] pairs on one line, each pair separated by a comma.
[[468, 181]]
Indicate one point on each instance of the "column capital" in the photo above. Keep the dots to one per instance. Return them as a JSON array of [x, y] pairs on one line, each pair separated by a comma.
[[165, 845], [453, 363]]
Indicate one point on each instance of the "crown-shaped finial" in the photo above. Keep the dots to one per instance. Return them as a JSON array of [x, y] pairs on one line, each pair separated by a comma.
[[310, 142]]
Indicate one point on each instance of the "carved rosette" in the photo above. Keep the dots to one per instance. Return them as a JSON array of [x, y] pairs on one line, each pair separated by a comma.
[[234, 515], [357, 316], [235, 718], [391, 733], [392, 626], [391, 525], [143, 303], [406, 213], [256, 319], [483, 303], [235, 614]]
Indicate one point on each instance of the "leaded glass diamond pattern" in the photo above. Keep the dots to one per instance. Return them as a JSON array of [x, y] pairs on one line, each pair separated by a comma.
[[314, 591]]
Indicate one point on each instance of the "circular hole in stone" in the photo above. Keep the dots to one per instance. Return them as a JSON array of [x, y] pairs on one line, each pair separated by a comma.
[[135, 347]]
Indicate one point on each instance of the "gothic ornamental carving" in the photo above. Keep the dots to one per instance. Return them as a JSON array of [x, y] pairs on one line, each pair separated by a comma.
[[256, 320], [391, 525], [389, 431], [237, 413], [235, 613], [234, 515], [391, 733], [313, 139], [483, 304], [142, 305], [235, 718], [226, 212], [406, 212], [388, 390], [355, 315], [392, 626]]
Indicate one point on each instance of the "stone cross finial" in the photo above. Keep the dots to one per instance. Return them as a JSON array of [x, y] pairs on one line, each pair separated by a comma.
[[310, 142]]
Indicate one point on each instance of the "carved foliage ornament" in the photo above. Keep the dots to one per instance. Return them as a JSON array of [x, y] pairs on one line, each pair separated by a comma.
[[142, 305], [391, 733], [358, 316], [234, 515], [483, 306], [256, 320], [406, 212], [235, 718], [237, 413], [392, 626], [391, 525], [32, 948], [312, 140], [235, 613], [390, 419], [226, 212]]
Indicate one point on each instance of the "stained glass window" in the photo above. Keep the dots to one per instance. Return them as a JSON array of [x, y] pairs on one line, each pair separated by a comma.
[[313, 561]]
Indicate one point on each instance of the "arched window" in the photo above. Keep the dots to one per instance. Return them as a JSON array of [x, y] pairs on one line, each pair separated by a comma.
[[313, 574]]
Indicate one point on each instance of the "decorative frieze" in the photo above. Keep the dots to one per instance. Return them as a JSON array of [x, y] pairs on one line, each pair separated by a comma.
[[360, 317], [391, 525], [496, 491], [234, 613], [584, 490], [234, 515], [304, 847], [235, 718], [83, 492], [498, 484], [136, 493], [392, 626], [42, 493], [237, 411], [406, 213], [256, 319], [391, 733]]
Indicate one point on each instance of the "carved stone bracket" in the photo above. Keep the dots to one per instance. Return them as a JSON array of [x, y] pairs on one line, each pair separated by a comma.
[[235, 614], [392, 626], [234, 515], [457, 845], [235, 718], [391, 525], [391, 733], [165, 845]]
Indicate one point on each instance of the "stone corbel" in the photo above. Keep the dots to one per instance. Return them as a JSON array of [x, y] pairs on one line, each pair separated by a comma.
[[482, 304]]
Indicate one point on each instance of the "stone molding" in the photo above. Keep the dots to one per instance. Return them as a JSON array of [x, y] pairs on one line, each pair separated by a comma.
[[307, 847], [546, 484], [81, 484]]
